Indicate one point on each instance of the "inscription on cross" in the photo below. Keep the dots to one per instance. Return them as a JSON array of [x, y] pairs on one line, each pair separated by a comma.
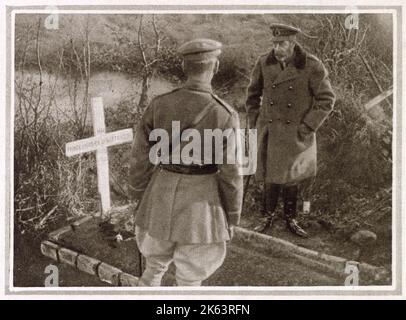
[[99, 143]]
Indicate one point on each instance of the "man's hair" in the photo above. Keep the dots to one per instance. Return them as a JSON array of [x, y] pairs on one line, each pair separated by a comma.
[[198, 67]]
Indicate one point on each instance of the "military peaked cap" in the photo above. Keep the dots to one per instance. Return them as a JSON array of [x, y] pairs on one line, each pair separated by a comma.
[[283, 32], [200, 49]]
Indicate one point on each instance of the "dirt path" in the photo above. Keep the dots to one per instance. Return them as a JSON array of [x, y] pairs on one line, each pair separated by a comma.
[[244, 267]]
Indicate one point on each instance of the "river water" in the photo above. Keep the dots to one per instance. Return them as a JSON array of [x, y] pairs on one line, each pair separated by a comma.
[[113, 87]]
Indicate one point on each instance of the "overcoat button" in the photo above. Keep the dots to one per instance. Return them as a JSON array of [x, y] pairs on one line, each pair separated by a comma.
[[271, 103], [270, 120], [289, 105], [287, 121], [290, 88], [273, 86]]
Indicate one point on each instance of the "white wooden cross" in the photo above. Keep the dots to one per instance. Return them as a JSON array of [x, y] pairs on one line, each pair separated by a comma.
[[99, 143]]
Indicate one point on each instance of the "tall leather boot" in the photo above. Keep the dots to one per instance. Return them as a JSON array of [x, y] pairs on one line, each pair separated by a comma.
[[289, 205], [270, 202]]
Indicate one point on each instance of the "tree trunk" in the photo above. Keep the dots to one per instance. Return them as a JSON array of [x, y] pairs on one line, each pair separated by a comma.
[[143, 102]]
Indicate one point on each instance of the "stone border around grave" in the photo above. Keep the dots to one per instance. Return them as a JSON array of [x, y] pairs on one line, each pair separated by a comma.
[[318, 260], [261, 242], [82, 262], [89, 265]]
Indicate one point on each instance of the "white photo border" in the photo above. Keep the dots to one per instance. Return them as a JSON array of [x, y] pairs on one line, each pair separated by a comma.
[[249, 292]]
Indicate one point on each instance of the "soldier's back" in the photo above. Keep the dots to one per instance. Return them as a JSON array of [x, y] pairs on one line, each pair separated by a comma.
[[186, 208], [192, 108]]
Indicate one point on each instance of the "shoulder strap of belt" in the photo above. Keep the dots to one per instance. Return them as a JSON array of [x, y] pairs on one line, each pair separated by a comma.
[[193, 124]]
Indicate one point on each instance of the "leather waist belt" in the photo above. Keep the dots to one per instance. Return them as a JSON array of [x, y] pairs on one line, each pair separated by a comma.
[[192, 169]]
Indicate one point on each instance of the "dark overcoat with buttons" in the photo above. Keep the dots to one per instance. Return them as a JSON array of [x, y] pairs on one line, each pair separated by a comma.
[[278, 102]]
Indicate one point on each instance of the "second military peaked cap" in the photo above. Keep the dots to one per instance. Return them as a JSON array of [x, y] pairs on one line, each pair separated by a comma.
[[200, 49], [283, 32]]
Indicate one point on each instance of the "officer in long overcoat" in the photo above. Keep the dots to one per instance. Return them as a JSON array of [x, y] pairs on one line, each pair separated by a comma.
[[288, 99], [186, 210]]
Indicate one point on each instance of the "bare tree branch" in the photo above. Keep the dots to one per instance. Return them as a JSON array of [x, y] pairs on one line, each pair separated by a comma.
[[140, 44], [157, 36]]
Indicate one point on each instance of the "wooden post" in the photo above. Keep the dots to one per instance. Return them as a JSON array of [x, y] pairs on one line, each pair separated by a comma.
[[373, 76]]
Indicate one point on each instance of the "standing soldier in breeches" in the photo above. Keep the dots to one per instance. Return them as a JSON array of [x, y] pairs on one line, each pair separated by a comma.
[[289, 97], [187, 210]]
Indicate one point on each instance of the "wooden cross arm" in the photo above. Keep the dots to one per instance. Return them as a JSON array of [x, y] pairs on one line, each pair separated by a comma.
[[100, 141]]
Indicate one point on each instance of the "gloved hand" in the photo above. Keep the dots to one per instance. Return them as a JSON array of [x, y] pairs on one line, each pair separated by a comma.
[[231, 231], [304, 131]]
